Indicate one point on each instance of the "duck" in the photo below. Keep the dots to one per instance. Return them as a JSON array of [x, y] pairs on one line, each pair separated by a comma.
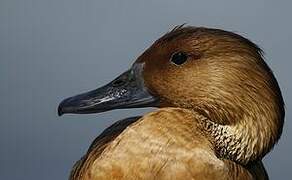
[[219, 111]]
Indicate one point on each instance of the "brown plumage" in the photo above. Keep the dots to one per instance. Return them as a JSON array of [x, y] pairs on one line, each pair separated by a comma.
[[167, 148], [220, 112]]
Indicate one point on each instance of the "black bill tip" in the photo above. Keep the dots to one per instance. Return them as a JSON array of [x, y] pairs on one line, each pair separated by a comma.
[[60, 110]]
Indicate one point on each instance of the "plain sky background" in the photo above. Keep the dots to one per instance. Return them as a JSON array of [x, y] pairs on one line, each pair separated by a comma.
[[52, 49]]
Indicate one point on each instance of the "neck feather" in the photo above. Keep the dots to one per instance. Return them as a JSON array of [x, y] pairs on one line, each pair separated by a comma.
[[243, 142]]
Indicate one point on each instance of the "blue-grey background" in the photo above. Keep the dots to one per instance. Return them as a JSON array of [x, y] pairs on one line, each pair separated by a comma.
[[52, 49]]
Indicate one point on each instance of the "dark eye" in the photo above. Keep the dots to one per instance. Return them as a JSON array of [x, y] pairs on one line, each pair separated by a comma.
[[179, 58]]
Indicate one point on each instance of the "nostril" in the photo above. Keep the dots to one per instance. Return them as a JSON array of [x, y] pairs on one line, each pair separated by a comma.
[[118, 82]]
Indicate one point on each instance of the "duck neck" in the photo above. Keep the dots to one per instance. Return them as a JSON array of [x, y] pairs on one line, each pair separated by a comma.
[[246, 141]]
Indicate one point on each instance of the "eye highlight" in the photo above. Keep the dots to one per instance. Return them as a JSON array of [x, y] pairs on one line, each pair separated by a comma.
[[179, 58]]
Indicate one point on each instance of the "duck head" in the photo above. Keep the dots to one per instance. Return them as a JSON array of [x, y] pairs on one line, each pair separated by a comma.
[[216, 73]]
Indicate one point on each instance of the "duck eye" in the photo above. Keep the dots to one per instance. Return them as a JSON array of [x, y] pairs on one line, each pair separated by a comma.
[[179, 58]]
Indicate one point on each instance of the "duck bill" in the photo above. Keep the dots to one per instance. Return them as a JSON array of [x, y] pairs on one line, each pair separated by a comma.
[[126, 91]]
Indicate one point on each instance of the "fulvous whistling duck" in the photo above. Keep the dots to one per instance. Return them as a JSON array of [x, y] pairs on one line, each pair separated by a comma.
[[220, 111]]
